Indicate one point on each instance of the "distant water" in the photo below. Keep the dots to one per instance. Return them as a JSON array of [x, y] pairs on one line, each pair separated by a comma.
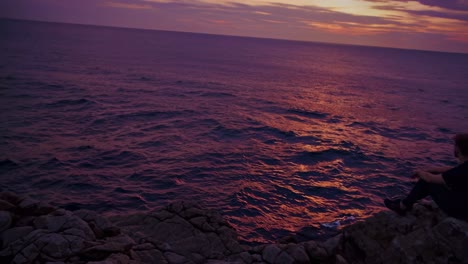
[[280, 136]]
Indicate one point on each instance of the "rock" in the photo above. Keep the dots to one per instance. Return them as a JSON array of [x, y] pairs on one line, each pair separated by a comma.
[[42, 209], [118, 258], [333, 244], [314, 251], [246, 257], [453, 234], [15, 248], [200, 222], [13, 234], [184, 233], [149, 256], [5, 220], [162, 215], [104, 249], [256, 257], [197, 258], [298, 253], [51, 223], [258, 249], [27, 255], [25, 221], [340, 260], [283, 258], [424, 235], [173, 258], [54, 246], [10, 198], [28, 203], [101, 226], [145, 246], [270, 253], [6, 206], [62, 221], [229, 238], [117, 244]]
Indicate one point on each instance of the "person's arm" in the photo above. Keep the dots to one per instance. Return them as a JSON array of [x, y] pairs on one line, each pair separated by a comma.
[[430, 177], [438, 170]]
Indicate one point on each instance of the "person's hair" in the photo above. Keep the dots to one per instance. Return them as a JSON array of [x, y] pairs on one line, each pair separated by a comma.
[[461, 141]]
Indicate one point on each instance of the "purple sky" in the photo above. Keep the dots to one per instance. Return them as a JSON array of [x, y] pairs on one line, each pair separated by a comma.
[[424, 24]]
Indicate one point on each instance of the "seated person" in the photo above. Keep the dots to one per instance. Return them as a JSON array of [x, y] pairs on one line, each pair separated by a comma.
[[448, 187]]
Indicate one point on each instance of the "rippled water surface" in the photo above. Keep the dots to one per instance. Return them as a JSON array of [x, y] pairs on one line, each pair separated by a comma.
[[281, 137]]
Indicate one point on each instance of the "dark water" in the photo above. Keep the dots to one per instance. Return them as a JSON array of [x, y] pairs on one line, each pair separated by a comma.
[[279, 136]]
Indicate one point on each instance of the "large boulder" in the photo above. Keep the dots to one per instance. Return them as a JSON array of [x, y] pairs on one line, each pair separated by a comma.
[[183, 231], [425, 235]]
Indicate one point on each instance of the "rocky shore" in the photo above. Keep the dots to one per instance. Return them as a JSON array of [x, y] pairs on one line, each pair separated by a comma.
[[183, 233]]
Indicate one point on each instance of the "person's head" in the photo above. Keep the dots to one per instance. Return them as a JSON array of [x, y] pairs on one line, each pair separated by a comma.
[[461, 147]]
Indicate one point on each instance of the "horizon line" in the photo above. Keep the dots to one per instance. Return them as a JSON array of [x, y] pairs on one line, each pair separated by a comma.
[[235, 36]]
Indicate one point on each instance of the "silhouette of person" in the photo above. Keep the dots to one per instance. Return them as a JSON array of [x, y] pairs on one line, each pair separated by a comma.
[[448, 187]]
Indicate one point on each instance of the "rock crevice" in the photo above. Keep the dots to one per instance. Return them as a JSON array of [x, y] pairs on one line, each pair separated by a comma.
[[184, 233]]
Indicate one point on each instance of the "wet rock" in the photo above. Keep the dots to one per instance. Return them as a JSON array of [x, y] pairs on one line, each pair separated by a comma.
[[162, 215], [6, 206], [10, 198], [173, 258], [25, 221], [453, 234], [63, 221], [340, 260], [298, 253], [54, 246], [13, 234], [5, 220], [425, 235], [101, 226], [270, 253], [246, 257], [333, 244], [27, 255], [144, 246], [283, 258], [118, 258], [148, 256], [256, 258], [121, 243], [315, 252], [28, 203]]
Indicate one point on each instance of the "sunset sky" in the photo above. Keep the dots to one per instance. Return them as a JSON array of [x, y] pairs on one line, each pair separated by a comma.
[[424, 24]]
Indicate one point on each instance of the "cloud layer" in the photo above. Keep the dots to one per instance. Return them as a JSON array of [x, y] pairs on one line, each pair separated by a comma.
[[423, 24]]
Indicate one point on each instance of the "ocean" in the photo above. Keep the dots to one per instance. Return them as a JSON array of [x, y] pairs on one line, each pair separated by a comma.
[[282, 137]]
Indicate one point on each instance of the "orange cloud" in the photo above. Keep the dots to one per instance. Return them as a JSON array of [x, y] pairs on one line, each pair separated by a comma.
[[127, 6], [262, 13]]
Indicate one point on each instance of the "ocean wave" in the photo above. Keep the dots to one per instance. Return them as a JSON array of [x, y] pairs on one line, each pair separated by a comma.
[[309, 113], [117, 157], [313, 157], [145, 114], [70, 102], [7, 165], [278, 133], [216, 94], [53, 164]]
